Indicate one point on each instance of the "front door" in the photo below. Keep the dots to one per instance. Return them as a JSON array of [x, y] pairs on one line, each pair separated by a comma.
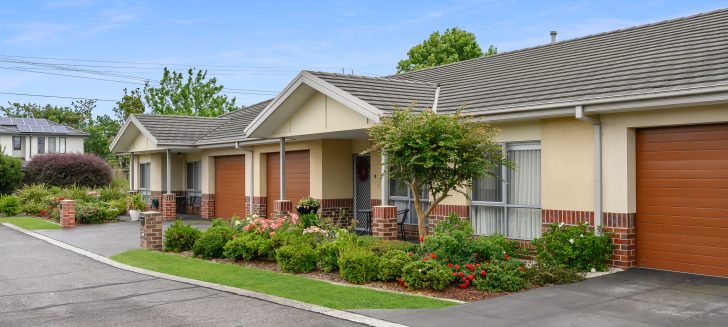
[[362, 192]]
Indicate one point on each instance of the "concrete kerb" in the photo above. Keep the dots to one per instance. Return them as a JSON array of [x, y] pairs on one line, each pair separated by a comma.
[[348, 316]]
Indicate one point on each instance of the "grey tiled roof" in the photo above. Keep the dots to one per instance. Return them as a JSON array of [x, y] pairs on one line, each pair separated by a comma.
[[235, 124], [385, 94], [680, 53], [178, 129]]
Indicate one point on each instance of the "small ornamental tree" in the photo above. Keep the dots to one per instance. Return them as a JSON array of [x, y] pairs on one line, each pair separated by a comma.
[[440, 153], [67, 169], [11, 173]]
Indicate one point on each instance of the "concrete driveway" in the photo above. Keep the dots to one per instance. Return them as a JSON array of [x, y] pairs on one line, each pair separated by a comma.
[[636, 297], [43, 285], [110, 238]]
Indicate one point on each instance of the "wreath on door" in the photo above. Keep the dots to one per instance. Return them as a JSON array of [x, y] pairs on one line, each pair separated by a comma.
[[362, 168]]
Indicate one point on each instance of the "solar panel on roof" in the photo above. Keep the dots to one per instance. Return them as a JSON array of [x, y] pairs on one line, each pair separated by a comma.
[[35, 129], [60, 129], [24, 129]]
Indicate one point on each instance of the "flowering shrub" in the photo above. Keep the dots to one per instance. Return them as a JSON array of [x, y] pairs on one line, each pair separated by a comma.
[[296, 258], [428, 273], [358, 265], [391, 264], [95, 213], [498, 276], [180, 237], [575, 247], [213, 240]]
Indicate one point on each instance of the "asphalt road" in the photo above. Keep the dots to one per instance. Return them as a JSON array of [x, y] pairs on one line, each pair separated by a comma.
[[43, 285]]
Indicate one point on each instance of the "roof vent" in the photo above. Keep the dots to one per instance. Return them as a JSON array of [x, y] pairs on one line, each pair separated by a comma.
[[553, 36]]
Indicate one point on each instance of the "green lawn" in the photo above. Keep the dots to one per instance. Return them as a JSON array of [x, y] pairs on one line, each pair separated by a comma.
[[30, 223], [283, 285]]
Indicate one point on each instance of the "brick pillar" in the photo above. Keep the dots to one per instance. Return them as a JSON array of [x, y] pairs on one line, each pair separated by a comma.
[[129, 194], [282, 208], [169, 206], [68, 213], [207, 206], [384, 222], [150, 231]]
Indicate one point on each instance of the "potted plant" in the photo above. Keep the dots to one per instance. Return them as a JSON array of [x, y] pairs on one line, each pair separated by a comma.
[[136, 205], [308, 205]]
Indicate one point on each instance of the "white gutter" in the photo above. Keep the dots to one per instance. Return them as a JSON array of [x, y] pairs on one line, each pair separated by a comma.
[[597, 124]]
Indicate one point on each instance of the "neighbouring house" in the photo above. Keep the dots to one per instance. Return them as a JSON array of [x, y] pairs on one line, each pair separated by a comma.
[[625, 129], [25, 137]]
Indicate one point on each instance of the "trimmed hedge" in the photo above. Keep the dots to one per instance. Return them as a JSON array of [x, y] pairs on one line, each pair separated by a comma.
[[66, 169], [11, 173]]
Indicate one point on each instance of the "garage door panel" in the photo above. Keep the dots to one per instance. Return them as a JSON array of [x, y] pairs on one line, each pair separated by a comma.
[[682, 198], [297, 177], [229, 186]]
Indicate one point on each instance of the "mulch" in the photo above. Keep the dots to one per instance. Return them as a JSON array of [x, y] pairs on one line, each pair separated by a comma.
[[452, 293]]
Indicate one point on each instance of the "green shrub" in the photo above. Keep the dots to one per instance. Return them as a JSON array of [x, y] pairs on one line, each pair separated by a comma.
[[575, 247], [9, 205], [358, 265], [329, 251], [180, 237], [11, 172], [296, 258], [380, 247], [34, 193], [212, 242], [249, 246], [309, 219], [502, 276], [494, 247], [33, 208], [452, 239], [95, 213], [391, 264], [426, 274], [542, 275]]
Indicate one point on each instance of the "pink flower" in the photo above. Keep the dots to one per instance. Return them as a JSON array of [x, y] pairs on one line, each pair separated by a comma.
[[294, 218]]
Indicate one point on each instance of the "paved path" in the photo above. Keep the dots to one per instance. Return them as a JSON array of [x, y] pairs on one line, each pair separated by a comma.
[[110, 238], [632, 298], [41, 284]]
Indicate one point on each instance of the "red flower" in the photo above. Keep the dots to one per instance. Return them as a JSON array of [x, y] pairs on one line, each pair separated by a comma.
[[42, 213], [477, 265], [457, 266], [521, 268], [449, 264], [467, 282], [460, 273], [463, 286], [454, 273], [463, 279], [61, 199], [507, 257], [425, 258], [483, 273], [432, 255], [471, 277], [409, 254], [422, 238]]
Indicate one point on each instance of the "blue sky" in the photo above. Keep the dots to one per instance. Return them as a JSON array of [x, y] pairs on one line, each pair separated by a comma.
[[254, 48]]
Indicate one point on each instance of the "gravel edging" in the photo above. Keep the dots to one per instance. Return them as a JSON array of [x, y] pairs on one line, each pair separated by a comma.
[[344, 315]]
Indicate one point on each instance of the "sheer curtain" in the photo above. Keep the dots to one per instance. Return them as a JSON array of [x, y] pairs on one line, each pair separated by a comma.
[[516, 212]]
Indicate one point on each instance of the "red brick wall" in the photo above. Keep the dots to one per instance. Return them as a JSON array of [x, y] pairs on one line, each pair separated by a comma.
[[259, 205], [207, 206], [340, 210], [442, 211], [169, 206]]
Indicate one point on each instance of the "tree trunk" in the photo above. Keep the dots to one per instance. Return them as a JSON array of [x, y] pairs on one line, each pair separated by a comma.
[[421, 215]]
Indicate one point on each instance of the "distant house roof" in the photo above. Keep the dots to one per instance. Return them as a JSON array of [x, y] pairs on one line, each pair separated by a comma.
[[36, 126]]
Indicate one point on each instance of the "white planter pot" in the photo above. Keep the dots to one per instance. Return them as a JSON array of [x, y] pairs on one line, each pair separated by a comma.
[[134, 214]]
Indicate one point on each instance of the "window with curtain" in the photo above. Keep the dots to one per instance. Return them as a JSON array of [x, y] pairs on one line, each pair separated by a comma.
[[509, 201], [401, 197], [144, 181], [41, 145], [17, 143], [194, 180], [51, 145], [61, 145]]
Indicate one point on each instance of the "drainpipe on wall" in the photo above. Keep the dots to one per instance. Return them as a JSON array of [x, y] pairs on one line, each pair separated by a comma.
[[282, 168], [131, 171], [597, 124], [169, 171]]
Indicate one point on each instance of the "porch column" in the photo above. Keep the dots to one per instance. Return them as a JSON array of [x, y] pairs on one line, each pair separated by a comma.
[[131, 172], [169, 171], [282, 207], [385, 181], [169, 199]]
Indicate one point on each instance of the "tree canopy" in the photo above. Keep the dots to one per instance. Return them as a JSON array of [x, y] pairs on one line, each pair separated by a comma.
[[193, 95], [130, 103], [440, 153], [452, 46]]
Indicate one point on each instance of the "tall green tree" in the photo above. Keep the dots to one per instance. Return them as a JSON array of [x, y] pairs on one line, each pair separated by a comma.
[[452, 46], [131, 103], [193, 95], [101, 130], [440, 153]]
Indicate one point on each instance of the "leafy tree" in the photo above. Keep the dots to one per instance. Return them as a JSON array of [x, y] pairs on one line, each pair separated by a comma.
[[11, 172], [452, 46], [131, 103], [194, 95], [101, 132], [435, 152]]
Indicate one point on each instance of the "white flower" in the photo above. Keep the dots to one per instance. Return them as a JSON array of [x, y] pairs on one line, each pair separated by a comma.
[[571, 240], [237, 222], [561, 224], [593, 270], [581, 235]]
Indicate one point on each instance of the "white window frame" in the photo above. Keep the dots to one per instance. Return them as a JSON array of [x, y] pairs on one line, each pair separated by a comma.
[[52, 144], [195, 190], [61, 145], [412, 215], [505, 187], [19, 143], [145, 172], [41, 144]]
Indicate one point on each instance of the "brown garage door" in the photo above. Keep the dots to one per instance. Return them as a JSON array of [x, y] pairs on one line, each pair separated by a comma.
[[297, 177], [229, 186], [682, 199]]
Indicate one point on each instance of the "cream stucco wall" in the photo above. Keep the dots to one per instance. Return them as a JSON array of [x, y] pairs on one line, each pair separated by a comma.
[[567, 164], [618, 160], [6, 144], [321, 114], [141, 143], [337, 182]]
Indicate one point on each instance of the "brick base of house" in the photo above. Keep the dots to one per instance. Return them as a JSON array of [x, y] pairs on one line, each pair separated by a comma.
[[340, 211], [150, 234], [622, 225], [282, 208], [260, 206], [207, 206], [169, 206], [442, 211], [384, 222]]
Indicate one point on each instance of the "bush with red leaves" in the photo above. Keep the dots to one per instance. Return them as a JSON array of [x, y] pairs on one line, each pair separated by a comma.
[[66, 169]]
